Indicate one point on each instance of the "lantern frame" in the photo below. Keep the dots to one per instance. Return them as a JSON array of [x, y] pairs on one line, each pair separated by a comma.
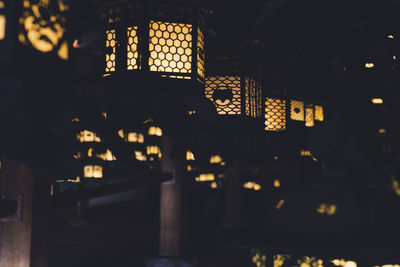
[[135, 25]]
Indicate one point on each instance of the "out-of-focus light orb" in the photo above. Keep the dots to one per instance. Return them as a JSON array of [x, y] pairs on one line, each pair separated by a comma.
[[369, 65], [390, 36], [377, 100]]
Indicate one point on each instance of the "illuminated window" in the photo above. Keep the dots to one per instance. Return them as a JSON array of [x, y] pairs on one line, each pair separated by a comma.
[[225, 93], [135, 137], [2, 27], [189, 155], [93, 171], [319, 113], [309, 117], [296, 110], [377, 100], [153, 130], [275, 114], [305, 153], [87, 136], [216, 159], [153, 150], [132, 48], [170, 47], [205, 177], [111, 49]]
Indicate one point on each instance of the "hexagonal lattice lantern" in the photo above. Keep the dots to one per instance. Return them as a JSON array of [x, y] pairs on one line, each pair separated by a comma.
[[233, 90], [165, 39], [278, 111]]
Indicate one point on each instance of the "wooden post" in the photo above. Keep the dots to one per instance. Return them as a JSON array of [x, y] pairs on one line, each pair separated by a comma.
[[16, 179], [170, 206]]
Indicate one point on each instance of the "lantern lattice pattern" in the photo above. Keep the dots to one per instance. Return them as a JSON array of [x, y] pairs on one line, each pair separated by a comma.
[[225, 93], [170, 47], [297, 110], [275, 114], [310, 117], [111, 50], [200, 53], [319, 113], [253, 98], [132, 49]]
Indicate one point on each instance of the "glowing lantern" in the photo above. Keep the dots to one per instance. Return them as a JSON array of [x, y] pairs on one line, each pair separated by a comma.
[[232, 91], [140, 156], [88, 136], [173, 42], [189, 155], [131, 137], [43, 26], [275, 114], [153, 130], [2, 27], [153, 151], [93, 171], [310, 116], [377, 100], [205, 177]]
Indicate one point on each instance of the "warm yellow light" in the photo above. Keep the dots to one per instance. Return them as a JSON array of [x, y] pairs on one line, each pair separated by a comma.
[[205, 177], [139, 156], [328, 209], [153, 130], [216, 159], [87, 136], [296, 110], [249, 185], [121, 133], [252, 185], [280, 204], [390, 36], [377, 100], [170, 47], [319, 113], [276, 157], [225, 93], [396, 186], [2, 27], [75, 120], [132, 48], [77, 155], [77, 180], [90, 152], [305, 153], [189, 155], [309, 117], [111, 44], [223, 163], [382, 131], [104, 114], [135, 137], [344, 263], [275, 114], [369, 65], [189, 168], [93, 171], [52, 190], [2, 5], [63, 52], [107, 156], [277, 183], [213, 185], [153, 150]]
